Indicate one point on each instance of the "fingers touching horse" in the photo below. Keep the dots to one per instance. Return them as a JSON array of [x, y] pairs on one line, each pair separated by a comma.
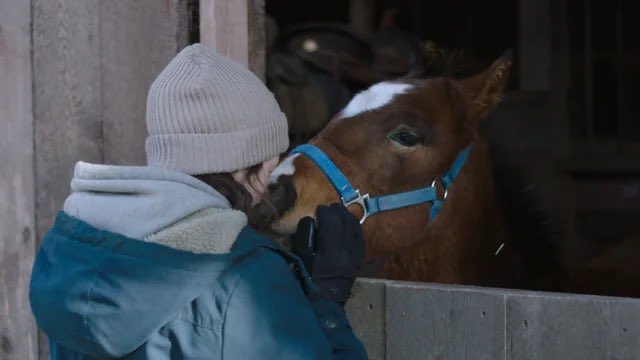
[[396, 139]]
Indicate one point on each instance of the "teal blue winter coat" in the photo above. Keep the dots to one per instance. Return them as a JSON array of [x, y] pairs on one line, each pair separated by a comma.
[[98, 294], [149, 263]]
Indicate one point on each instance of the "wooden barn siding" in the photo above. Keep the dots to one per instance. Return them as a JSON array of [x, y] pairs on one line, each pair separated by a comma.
[[137, 40], [73, 81], [17, 223], [236, 29], [401, 320], [93, 63]]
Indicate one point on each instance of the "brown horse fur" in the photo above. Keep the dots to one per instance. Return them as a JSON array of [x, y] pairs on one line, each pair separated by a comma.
[[471, 241]]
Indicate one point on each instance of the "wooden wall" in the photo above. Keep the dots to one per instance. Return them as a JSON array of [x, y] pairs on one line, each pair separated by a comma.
[[93, 62], [236, 29], [17, 222], [74, 76]]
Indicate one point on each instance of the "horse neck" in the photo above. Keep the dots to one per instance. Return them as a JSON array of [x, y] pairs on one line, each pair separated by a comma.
[[460, 246]]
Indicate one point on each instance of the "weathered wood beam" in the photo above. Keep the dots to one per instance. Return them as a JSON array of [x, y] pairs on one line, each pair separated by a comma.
[[236, 29], [18, 335], [224, 26], [137, 39], [362, 16]]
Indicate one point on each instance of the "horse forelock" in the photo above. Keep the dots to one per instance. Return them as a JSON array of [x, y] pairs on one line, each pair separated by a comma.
[[375, 97]]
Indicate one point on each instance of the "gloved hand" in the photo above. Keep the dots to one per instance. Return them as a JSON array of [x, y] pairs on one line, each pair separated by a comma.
[[332, 252]]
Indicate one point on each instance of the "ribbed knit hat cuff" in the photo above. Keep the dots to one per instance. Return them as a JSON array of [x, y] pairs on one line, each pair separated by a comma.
[[197, 154]]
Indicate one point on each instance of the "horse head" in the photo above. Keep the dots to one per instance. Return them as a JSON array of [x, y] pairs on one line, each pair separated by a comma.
[[395, 137]]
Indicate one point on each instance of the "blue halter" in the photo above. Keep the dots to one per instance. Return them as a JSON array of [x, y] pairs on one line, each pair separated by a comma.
[[371, 206]]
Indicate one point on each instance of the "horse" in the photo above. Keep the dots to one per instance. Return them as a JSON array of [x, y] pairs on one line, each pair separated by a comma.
[[435, 202]]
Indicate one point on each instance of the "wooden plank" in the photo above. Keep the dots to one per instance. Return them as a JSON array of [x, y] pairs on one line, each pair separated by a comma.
[[236, 28], [362, 16], [442, 322], [366, 312], [138, 38], [66, 76], [224, 27], [257, 38], [67, 111], [18, 335]]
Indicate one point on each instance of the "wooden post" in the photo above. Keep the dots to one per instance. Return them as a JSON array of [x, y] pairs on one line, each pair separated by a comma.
[[257, 38], [92, 71], [534, 21], [18, 336], [137, 39], [361, 16], [224, 26], [66, 95], [235, 28]]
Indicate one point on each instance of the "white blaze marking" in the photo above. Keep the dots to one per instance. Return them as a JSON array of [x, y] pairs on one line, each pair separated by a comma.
[[374, 97], [284, 168]]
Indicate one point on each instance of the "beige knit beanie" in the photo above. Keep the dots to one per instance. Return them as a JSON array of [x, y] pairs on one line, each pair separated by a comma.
[[209, 114]]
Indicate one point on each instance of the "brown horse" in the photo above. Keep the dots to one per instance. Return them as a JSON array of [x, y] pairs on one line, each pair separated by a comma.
[[399, 136]]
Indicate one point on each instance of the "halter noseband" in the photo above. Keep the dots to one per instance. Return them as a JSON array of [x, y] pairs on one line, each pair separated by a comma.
[[370, 206]]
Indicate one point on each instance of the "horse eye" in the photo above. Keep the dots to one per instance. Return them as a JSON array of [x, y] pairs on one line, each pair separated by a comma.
[[404, 138]]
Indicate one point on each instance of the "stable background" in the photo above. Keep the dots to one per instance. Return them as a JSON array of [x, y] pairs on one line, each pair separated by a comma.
[[73, 81]]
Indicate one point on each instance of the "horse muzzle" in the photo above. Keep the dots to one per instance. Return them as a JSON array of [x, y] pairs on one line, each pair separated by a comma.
[[283, 194]]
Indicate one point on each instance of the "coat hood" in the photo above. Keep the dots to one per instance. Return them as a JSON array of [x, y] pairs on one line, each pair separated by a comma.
[[133, 247], [136, 201], [104, 294]]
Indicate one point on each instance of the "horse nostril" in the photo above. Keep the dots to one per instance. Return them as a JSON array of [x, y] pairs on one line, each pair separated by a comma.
[[283, 194]]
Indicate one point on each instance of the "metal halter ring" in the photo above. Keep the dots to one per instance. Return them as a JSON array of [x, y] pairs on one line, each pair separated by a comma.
[[360, 201], [446, 191]]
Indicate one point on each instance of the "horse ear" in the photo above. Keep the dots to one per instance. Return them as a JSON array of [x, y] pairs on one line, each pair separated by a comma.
[[485, 90]]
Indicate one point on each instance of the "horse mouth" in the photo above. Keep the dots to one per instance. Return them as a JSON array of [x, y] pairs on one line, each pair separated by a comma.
[[283, 194]]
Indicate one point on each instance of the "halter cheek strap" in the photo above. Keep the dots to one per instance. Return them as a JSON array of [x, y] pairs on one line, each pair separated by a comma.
[[370, 206], [447, 180]]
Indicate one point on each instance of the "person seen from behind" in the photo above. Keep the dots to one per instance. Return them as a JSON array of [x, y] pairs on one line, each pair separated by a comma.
[[158, 262]]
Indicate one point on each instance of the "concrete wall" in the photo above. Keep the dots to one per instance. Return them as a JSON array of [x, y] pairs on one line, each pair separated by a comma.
[[402, 320]]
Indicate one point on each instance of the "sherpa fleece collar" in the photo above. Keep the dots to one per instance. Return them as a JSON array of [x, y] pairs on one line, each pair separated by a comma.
[[210, 231], [139, 202]]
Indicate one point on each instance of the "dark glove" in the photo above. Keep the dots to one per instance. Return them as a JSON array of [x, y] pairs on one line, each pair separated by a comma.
[[332, 252], [303, 242]]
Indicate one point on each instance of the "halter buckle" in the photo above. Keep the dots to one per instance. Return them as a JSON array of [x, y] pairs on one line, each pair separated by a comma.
[[361, 201]]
